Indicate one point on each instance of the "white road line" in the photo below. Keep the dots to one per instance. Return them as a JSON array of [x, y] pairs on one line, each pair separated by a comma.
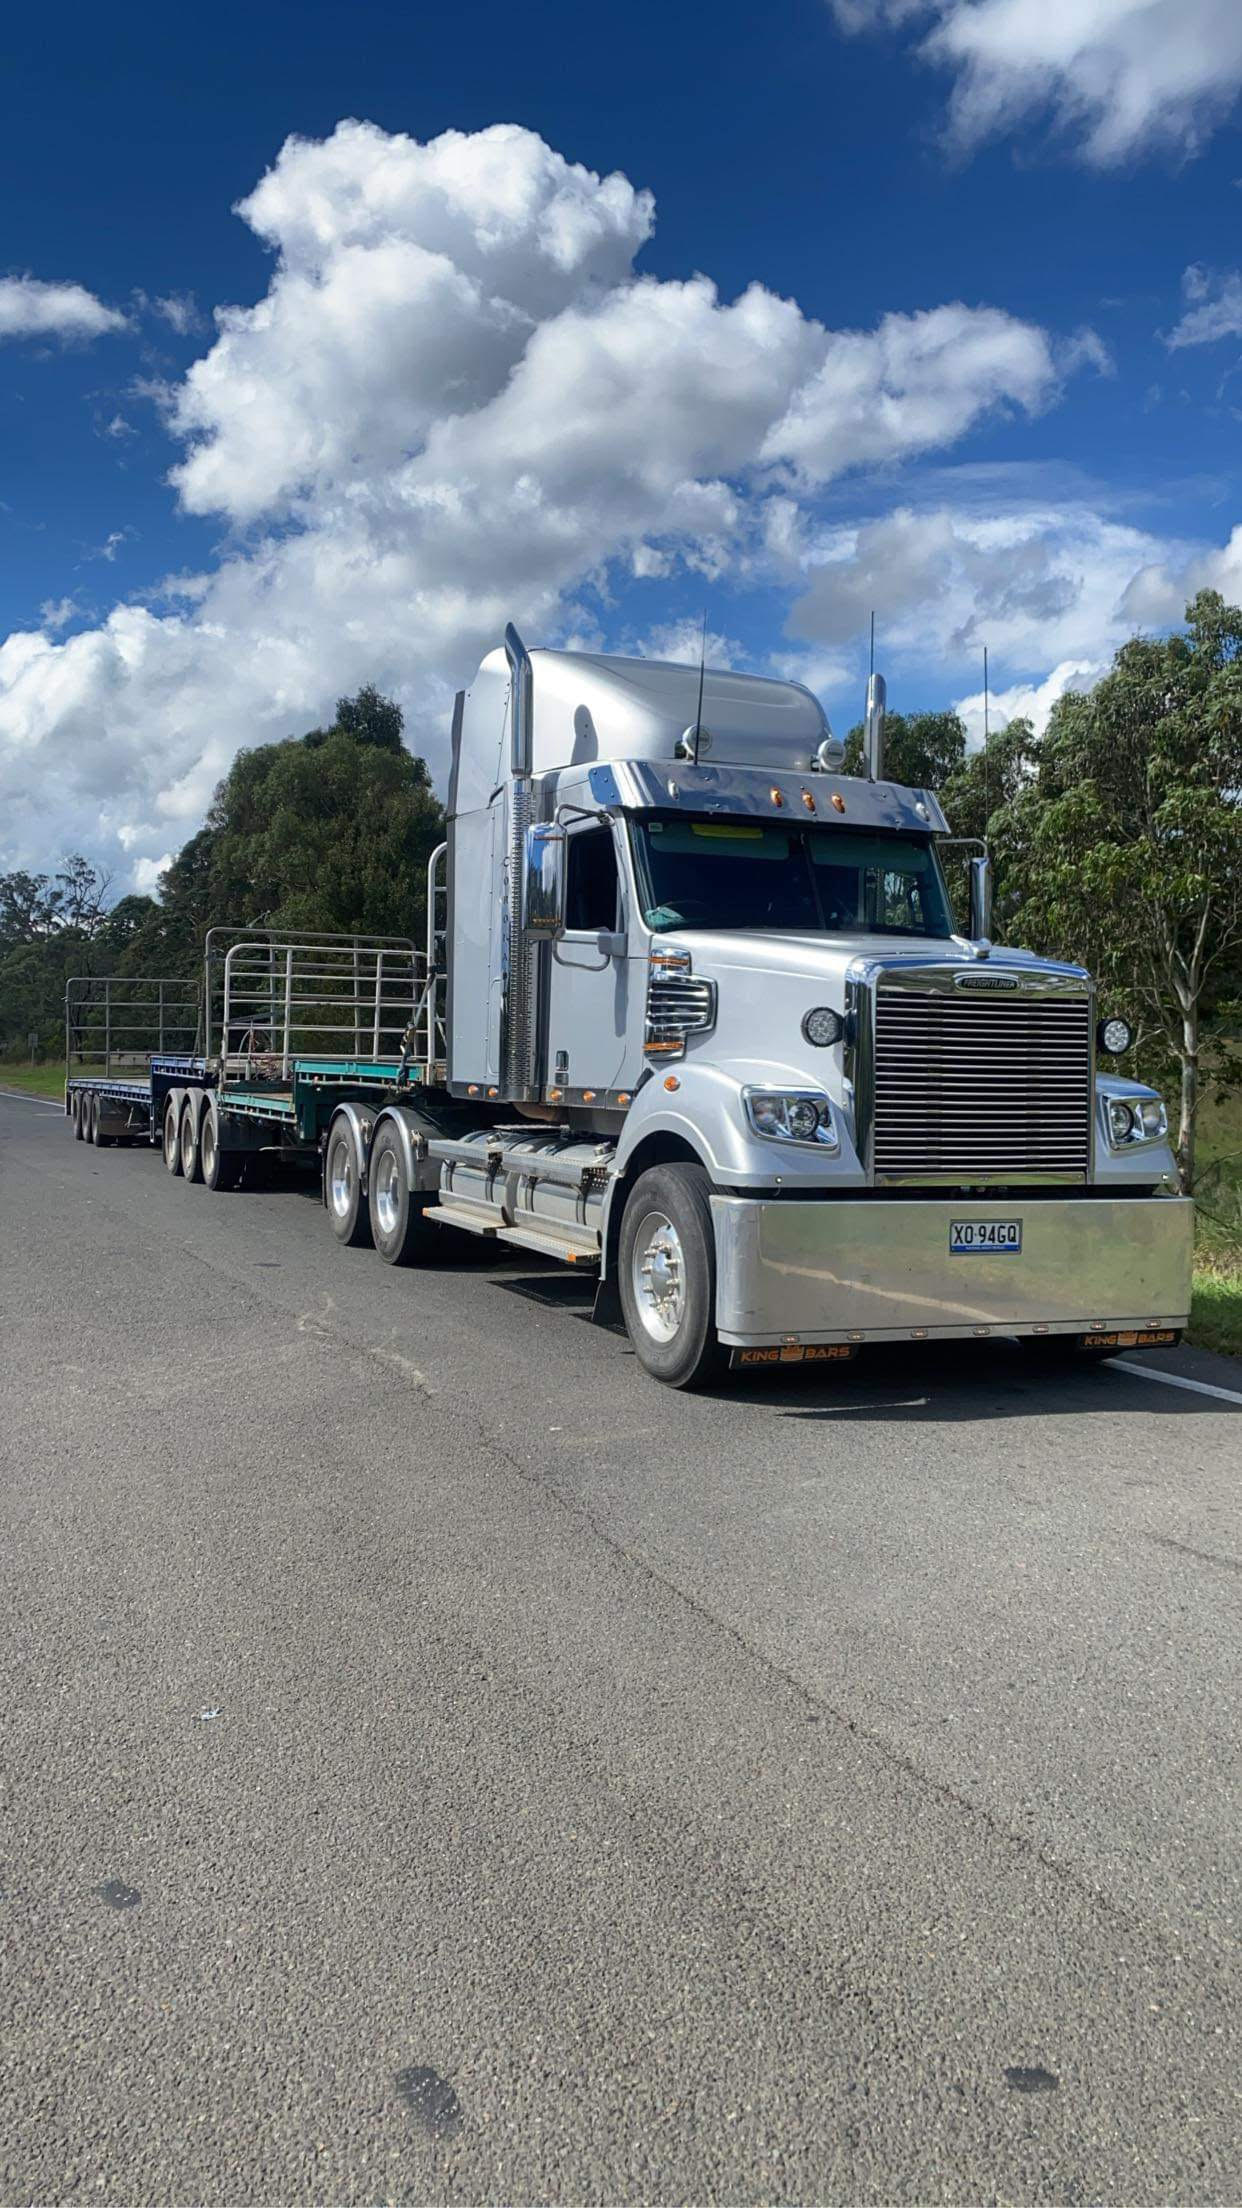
[[23, 1096], [1176, 1380]]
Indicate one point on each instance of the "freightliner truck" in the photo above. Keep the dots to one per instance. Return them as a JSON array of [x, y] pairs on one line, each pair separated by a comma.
[[694, 1014]]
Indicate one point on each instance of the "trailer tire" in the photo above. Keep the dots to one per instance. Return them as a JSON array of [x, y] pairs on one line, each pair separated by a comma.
[[666, 1273], [349, 1212], [191, 1156], [221, 1168], [172, 1133], [399, 1230], [100, 1140], [78, 1130]]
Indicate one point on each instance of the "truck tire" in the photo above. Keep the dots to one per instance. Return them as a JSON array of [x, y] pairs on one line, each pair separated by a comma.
[[398, 1228], [666, 1273], [349, 1213], [172, 1135], [100, 1140], [220, 1167], [78, 1130], [191, 1159]]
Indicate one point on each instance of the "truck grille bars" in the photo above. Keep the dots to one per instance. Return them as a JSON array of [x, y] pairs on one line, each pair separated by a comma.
[[677, 1004], [969, 1085]]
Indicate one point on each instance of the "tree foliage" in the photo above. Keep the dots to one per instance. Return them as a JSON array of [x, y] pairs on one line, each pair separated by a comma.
[[329, 832], [1123, 846]]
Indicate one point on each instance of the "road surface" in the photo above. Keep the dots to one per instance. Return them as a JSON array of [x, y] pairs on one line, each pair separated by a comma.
[[440, 1765]]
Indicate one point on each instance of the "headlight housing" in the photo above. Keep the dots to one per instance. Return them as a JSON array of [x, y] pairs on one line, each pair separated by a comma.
[[1134, 1119], [792, 1115]]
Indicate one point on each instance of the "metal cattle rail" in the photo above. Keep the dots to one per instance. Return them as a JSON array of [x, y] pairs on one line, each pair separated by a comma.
[[116, 1023], [294, 998]]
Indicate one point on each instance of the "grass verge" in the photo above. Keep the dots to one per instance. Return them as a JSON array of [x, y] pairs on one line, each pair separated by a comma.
[[34, 1080]]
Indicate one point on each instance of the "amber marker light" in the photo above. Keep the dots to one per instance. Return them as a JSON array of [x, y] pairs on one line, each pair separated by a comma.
[[671, 1081], [808, 801], [623, 1096], [838, 802], [776, 797]]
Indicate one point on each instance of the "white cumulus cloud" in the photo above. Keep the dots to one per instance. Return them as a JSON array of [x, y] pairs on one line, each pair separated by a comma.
[[1213, 309], [457, 402], [32, 308], [1039, 585], [1118, 78]]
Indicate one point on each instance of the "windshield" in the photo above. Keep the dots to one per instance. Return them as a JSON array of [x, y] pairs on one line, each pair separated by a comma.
[[805, 880]]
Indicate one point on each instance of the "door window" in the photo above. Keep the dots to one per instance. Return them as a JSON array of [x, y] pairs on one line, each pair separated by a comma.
[[591, 884]]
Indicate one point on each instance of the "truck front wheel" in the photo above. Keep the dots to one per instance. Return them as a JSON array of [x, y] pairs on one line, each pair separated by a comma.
[[666, 1274]]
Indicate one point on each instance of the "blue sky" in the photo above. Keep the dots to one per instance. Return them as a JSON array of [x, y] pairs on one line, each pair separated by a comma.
[[371, 473]]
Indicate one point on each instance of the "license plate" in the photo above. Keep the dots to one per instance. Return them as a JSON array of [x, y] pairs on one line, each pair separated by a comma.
[[985, 1238]]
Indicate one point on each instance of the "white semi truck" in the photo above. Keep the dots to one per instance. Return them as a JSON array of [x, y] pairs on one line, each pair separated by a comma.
[[693, 1014]]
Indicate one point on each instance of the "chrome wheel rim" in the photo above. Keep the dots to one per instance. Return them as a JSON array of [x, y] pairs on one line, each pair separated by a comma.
[[388, 1192], [658, 1277], [341, 1177]]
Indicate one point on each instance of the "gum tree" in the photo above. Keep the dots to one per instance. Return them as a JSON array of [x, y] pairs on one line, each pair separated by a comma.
[[1126, 847]]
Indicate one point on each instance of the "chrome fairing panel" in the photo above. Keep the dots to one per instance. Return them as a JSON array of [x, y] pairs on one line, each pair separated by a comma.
[[879, 1268]]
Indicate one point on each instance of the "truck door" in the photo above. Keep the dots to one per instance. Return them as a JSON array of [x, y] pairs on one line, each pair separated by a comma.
[[588, 985]]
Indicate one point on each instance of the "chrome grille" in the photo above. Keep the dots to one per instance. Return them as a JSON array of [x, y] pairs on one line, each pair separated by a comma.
[[981, 1086], [677, 1004]]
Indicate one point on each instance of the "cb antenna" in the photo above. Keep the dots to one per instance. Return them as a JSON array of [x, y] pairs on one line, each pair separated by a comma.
[[987, 737], [698, 711], [871, 662]]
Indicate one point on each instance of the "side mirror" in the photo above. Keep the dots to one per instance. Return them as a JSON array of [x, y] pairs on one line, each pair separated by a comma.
[[543, 892], [980, 871]]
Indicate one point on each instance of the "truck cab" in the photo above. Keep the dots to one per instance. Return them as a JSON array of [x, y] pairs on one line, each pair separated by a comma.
[[714, 990]]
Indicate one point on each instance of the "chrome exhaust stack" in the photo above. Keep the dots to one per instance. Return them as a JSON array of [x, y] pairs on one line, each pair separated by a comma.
[[873, 741], [516, 1027]]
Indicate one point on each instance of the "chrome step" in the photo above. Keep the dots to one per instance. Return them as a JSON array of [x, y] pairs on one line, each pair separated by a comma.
[[550, 1245], [461, 1215]]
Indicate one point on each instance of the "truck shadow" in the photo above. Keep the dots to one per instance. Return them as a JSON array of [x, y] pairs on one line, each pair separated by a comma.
[[905, 1383]]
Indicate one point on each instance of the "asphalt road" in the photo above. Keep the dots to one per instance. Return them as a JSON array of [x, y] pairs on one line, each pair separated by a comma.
[[439, 1765]]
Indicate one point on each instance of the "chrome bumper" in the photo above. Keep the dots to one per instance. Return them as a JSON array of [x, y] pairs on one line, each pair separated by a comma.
[[863, 1270]]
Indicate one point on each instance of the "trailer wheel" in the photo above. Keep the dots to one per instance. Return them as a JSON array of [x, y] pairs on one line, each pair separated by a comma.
[[78, 1130], [100, 1140], [347, 1208], [666, 1272], [221, 1167], [172, 1136], [191, 1161], [398, 1228]]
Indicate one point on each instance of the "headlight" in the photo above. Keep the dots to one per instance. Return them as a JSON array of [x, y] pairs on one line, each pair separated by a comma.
[[822, 1026], [1114, 1037], [1120, 1122], [792, 1115], [1135, 1119]]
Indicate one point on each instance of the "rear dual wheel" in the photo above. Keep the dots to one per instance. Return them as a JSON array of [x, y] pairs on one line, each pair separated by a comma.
[[96, 1135], [79, 1130], [221, 1169], [346, 1205], [172, 1136], [398, 1228]]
